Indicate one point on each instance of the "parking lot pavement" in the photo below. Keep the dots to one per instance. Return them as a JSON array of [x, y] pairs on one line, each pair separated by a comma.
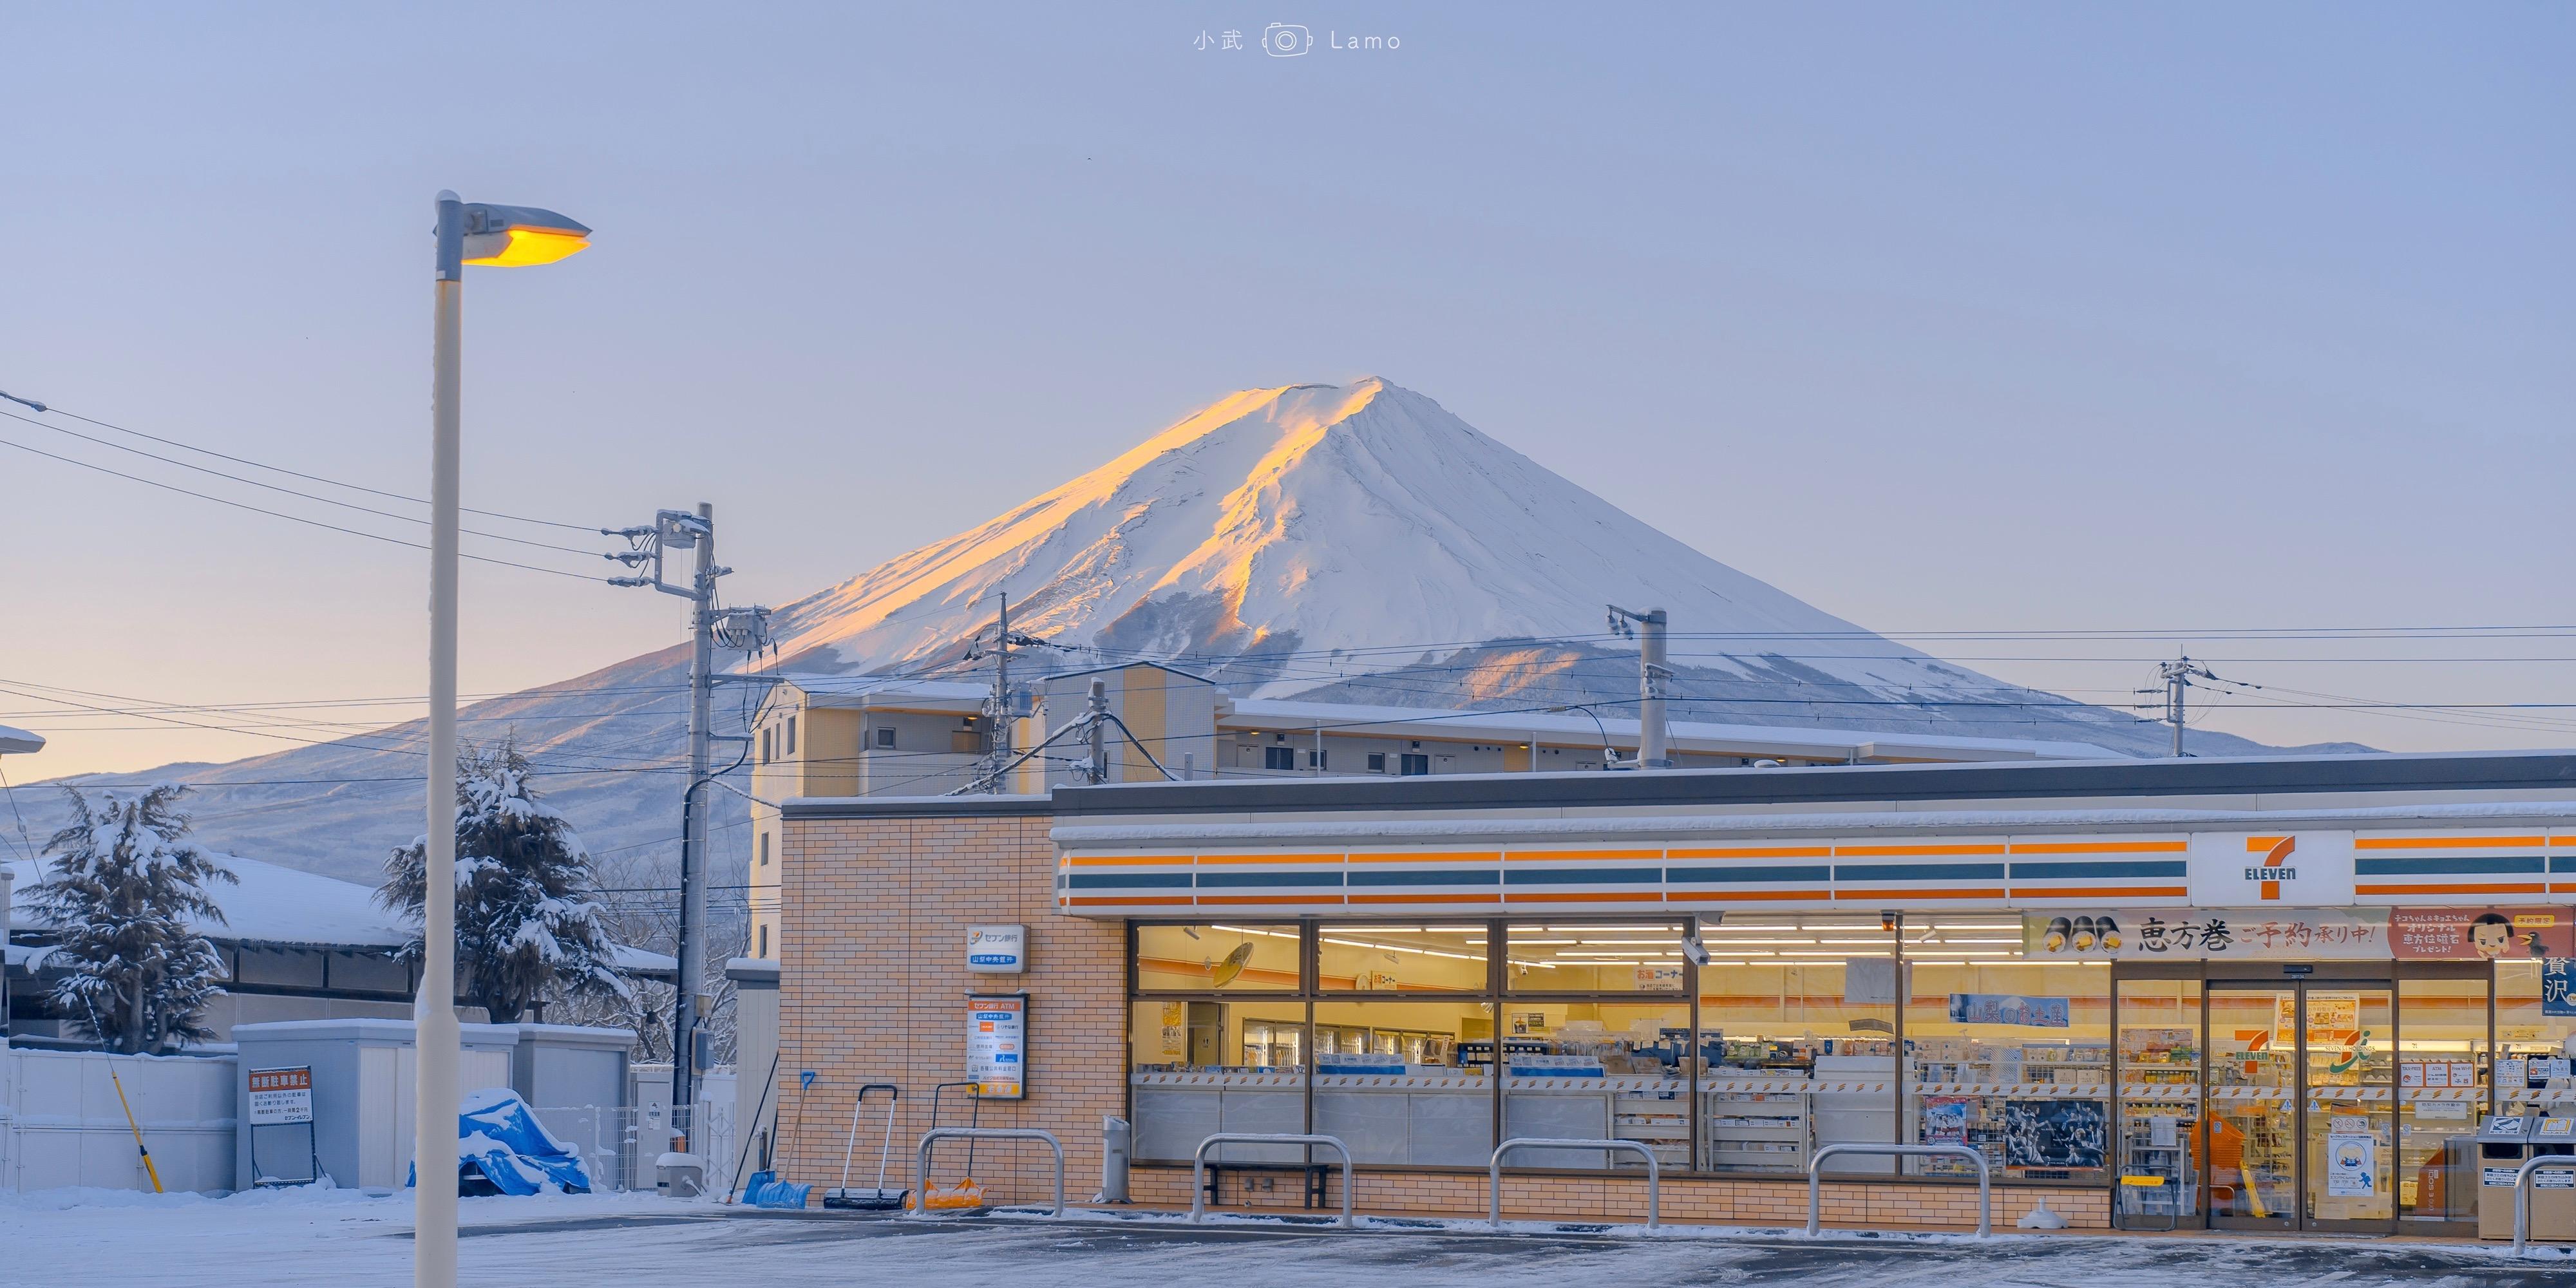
[[647, 1244]]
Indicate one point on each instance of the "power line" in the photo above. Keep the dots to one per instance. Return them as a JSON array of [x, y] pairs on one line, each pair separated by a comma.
[[349, 505], [311, 478], [280, 514]]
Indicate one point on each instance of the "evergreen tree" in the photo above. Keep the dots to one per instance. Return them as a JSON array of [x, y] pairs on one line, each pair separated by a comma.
[[527, 925], [120, 893]]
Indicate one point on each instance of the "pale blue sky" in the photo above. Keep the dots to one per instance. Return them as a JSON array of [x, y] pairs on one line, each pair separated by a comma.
[[1940, 317]]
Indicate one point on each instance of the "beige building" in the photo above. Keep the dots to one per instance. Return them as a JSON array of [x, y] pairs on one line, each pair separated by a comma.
[[819, 736]]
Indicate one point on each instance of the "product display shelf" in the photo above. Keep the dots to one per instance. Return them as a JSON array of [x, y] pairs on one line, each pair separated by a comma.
[[1756, 1120], [1656, 1115]]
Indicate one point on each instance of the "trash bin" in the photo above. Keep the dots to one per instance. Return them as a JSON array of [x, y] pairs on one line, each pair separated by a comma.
[[1117, 1145], [2504, 1141]]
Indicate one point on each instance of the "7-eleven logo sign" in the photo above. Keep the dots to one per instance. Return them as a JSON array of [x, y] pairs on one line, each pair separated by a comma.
[[2273, 868]]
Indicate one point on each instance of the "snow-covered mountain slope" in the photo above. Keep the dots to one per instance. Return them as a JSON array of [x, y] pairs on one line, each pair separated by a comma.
[[1313, 532], [1349, 543]]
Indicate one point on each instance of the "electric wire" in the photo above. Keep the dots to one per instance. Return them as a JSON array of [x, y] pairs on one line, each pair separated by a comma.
[[273, 487], [311, 478], [280, 514]]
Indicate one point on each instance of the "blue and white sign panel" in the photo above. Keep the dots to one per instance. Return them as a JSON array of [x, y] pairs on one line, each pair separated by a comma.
[[2554, 996], [997, 1044], [997, 950]]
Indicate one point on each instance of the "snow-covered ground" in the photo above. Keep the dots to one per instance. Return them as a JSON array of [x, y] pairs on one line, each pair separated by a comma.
[[67, 1239]]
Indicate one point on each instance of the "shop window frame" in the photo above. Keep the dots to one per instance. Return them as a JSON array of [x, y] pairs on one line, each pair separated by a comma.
[[1494, 997]]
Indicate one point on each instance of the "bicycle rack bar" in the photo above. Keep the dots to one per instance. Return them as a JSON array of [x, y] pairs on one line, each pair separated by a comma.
[[2522, 1193], [1494, 1172], [1985, 1177], [1198, 1165], [921, 1157]]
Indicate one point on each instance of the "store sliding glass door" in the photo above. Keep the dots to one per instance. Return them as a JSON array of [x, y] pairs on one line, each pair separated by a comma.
[[2301, 1119], [2331, 1096]]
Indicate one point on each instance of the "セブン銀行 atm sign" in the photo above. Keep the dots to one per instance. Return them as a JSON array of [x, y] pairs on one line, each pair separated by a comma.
[[997, 950]]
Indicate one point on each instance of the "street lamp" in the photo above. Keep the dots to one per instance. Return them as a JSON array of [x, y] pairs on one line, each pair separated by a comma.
[[503, 237]]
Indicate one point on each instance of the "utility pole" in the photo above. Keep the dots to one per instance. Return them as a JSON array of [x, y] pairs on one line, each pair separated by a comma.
[[2178, 677], [1002, 691], [686, 1004], [1003, 708], [1652, 678], [739, 628], [1100, 731]]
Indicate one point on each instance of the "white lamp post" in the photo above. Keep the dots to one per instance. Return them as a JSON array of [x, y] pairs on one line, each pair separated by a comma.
[[506, 237]]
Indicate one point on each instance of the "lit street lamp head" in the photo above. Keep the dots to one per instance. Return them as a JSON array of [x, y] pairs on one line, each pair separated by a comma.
[[502, 236]]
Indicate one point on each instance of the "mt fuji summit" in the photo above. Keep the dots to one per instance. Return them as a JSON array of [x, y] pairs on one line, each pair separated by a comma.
[[1308, 534]]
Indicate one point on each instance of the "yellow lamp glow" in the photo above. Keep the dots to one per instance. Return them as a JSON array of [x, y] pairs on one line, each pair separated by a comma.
[[522, 247]]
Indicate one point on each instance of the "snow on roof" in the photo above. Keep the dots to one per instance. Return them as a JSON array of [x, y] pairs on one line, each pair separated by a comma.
[[280, 905], [272, 905], [17, 741], [1690, 735], [1687, 735]]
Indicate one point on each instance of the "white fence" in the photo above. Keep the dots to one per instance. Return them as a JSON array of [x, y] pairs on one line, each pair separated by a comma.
[[648, 1124], [60, 1123]]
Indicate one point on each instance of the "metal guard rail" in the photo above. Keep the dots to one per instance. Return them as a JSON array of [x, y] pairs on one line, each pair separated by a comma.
[[1494, 1172], [2522, 1193], [1985, 1177], [921, 1157], [1198, 1164]]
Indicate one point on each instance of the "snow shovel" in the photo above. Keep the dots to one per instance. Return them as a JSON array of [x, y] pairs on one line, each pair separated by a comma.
[[880, 1198], [965, 1194]]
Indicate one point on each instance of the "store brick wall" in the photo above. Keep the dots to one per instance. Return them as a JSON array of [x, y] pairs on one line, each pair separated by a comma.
[[1687, 1200], [872, 987]]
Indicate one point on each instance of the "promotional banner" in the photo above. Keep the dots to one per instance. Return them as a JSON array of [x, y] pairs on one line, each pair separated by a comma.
[[997, 1033], [2553, 988], [2210, 934], [2002, 1008], [2352, 1159], [2473, 934]]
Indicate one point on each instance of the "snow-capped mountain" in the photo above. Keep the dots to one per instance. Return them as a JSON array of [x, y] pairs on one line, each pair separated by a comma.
[[1350, 543], [1306, 534]]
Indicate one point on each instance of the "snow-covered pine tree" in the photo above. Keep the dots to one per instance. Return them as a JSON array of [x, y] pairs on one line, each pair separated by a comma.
[[528, 925], [120, 892]]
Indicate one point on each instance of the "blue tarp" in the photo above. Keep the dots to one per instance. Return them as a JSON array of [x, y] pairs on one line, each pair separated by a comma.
[[501, 1143]]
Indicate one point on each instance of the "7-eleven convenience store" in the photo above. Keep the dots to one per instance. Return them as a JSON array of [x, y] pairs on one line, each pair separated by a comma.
[[2269, 994]]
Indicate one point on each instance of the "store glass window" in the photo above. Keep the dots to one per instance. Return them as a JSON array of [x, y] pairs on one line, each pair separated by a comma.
[[1199, 1067], [2010, 1059], [1609, 1068], [1640, 956], [2535, 1030], [1798, 1035], [1406, 1083], [2444, 1068], [1227, 957], [1364, 957], [2156, 1136]]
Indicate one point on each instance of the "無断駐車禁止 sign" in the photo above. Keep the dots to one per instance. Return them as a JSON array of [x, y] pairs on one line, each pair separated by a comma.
[[281, 1096]]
